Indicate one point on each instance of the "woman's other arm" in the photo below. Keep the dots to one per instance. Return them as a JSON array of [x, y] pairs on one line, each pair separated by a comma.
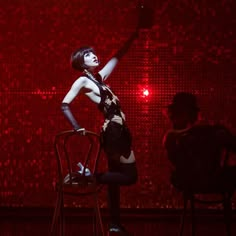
[[70, 96]]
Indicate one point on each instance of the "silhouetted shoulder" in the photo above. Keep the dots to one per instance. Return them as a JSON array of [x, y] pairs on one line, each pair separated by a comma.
[[171, 136]]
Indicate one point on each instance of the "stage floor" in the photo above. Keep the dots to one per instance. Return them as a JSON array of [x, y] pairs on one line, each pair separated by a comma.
[[141, 222]]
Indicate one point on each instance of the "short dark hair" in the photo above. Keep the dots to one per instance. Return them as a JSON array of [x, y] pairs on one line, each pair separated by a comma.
[[77, 57], [184, 103]]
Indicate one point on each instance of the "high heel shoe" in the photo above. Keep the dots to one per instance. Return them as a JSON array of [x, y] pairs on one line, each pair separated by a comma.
[[81, 171]]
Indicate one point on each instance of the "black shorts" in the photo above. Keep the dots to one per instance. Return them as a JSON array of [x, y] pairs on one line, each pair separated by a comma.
[[116, 140]]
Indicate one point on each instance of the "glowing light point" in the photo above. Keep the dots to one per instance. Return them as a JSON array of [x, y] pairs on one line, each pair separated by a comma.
[[145, 93]]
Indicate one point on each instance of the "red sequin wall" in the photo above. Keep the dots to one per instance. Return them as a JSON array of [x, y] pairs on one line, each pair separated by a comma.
[[190, 47]]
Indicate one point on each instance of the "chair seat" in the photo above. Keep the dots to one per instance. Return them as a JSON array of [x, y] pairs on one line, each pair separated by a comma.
[[207, 189], [77, 178], [215, 186]]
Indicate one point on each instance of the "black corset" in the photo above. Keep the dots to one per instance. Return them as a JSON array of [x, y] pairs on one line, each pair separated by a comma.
[[110, 111]]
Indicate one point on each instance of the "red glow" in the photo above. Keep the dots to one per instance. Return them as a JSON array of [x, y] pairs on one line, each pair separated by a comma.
[[145, 92]]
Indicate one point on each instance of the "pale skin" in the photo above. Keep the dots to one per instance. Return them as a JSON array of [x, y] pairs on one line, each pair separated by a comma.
[[85, 86]]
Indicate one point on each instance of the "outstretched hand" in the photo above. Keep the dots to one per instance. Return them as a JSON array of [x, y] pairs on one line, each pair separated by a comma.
[[146, 17]]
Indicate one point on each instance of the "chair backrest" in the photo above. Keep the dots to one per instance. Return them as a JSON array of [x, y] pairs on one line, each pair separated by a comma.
[[72, 147], [198, 154]]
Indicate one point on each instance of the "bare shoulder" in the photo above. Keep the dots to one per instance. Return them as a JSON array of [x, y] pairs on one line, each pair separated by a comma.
[[80, 81]]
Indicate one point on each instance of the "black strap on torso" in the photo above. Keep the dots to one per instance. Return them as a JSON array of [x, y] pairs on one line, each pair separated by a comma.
[[109, 105]]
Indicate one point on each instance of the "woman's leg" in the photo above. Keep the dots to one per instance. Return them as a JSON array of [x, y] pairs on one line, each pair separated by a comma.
[[116, 143], [113, 191], [123, 174], [118, 174]]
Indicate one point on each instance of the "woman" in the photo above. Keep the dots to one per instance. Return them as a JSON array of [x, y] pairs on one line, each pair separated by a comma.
[[115, 135]]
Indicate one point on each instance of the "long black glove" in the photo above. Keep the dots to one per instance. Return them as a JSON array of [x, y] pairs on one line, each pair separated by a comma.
[[68, 114], [120, 53]]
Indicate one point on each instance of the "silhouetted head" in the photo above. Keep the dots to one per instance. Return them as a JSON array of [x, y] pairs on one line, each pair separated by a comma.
[[77, 58], [183, 109]]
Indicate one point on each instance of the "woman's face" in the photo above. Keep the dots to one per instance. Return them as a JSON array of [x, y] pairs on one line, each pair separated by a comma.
[[91, 60]]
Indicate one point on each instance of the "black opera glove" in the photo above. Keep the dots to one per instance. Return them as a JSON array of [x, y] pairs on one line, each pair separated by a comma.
[[68, 114], [122, 51]]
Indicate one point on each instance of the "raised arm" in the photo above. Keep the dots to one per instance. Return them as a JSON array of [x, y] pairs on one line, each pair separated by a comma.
[[111, 64], [145, 21], [70, 96]]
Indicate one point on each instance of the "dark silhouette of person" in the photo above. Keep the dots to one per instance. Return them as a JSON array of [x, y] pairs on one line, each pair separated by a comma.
[[198, 152]]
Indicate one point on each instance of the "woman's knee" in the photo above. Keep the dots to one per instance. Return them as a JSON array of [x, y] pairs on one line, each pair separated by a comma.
[[131, 173]]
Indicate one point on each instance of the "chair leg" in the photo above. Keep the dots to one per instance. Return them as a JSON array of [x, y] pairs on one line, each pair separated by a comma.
[[98, 224], [193, 216], [58, 217], [62, 218], [56, 213], [183, 215], [227, 213]]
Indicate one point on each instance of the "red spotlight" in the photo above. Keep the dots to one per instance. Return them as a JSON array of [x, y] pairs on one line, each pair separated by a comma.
[[145, 92]]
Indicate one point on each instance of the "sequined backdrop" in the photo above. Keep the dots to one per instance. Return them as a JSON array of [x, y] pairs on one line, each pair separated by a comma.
[[190, 47]]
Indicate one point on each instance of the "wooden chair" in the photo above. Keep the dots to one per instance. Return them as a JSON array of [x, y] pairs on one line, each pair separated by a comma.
[[85, 148], [199, 151], [198, 195]]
